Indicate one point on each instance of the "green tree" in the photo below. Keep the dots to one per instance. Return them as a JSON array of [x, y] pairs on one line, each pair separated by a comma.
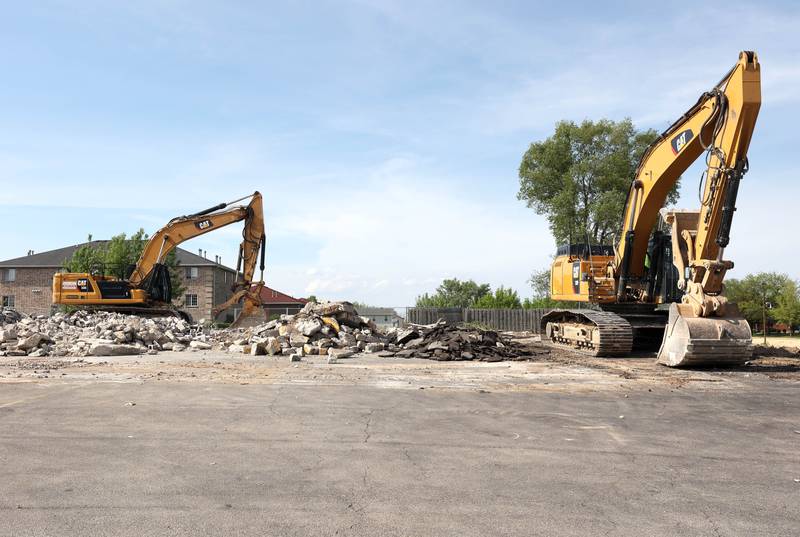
[[312, 298], [122, 251], [88, 258], [540, 285], [113, 257], [502, 298], [580, 176], [757, 295], [454, 293], [788, 310]]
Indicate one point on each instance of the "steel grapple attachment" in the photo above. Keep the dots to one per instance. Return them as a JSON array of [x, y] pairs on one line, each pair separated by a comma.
[[691, 341]]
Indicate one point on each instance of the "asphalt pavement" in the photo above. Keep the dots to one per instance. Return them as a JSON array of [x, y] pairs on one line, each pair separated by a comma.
[[140, 459]]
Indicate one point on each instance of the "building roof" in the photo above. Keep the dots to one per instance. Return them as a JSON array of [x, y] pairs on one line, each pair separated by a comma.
[[272, 296], [368, 311], [55, 258]]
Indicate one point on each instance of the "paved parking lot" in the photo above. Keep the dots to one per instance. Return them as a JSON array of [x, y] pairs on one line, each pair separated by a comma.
[[122, 455]]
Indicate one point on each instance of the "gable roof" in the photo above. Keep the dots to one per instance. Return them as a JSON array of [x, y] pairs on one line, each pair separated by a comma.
[[55, 258], [271, 296]]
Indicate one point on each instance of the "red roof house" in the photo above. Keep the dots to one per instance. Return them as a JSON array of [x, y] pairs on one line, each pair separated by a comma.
[[277, 303]]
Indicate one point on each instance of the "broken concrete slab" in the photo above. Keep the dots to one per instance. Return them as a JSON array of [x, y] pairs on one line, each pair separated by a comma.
[[113, 349]]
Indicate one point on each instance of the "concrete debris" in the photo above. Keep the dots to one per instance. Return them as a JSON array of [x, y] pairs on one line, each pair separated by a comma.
[[9, 316], [109, 348], [327, 329], [84, 333], [331, 329]]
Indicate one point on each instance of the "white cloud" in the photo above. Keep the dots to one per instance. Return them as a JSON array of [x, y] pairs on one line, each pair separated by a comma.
[[403, 231], [648, 82]]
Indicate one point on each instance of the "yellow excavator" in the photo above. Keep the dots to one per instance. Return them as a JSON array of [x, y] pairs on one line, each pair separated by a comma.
[[663, 279], [148, 289]]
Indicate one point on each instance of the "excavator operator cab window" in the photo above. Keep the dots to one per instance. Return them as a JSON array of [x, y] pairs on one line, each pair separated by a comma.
[[585, 251]]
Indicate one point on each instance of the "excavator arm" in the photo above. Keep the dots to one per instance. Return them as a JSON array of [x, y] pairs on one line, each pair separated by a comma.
[[703, 328], [721, 125], [180, 229]]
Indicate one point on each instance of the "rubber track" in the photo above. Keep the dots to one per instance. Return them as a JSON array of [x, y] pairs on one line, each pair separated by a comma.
[[616, 334]]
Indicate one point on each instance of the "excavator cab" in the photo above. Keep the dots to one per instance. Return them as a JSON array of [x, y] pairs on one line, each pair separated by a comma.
[[578, 273]]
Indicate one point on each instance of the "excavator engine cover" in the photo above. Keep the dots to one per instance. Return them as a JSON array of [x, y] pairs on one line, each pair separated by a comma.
[[691, 341]]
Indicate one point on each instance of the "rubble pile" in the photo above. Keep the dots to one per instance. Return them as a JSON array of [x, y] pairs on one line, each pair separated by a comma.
[[775, 352], [332, 329], [441, 341], [84, 333], [8, 316]]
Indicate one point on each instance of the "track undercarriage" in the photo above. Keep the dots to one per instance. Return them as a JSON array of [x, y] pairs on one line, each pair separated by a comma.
[[680, 339]]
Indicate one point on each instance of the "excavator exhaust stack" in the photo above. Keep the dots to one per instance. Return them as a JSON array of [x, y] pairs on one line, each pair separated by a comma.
[[692, 341]]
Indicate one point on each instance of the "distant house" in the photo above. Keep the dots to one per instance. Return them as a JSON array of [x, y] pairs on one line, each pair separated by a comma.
[[276, 303], [383, 317], [25, 282], [781, 328]]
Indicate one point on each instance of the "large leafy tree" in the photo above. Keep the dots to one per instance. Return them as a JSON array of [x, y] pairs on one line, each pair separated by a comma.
[[540, 285], [502, 298], [114, 257], [788, 310], [454, 293], [580, 176], [758, 295]]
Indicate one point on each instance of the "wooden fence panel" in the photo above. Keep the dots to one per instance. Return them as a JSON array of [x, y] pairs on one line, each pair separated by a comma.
[[516, 320]]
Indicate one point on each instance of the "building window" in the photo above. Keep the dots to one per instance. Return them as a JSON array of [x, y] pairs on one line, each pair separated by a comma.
[[192, 273], [191, 301], [10, 275], [8, 301]]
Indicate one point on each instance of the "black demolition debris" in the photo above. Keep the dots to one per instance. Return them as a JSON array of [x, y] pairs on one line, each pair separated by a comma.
[[443, 342]]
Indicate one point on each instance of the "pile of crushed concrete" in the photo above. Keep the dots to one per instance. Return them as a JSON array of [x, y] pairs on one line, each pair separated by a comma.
[[84, 333], [331, 329]]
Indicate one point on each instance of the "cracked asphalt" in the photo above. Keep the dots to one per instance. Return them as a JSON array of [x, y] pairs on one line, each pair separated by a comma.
[[143, 457]]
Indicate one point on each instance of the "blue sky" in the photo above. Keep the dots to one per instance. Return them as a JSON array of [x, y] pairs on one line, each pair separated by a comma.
[[385, 136]]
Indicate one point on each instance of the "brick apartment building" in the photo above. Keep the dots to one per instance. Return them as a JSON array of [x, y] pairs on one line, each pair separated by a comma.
[[25, 282]]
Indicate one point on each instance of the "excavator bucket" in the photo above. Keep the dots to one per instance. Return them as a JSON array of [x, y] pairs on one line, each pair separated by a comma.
[[692, 341], [249, 318]]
